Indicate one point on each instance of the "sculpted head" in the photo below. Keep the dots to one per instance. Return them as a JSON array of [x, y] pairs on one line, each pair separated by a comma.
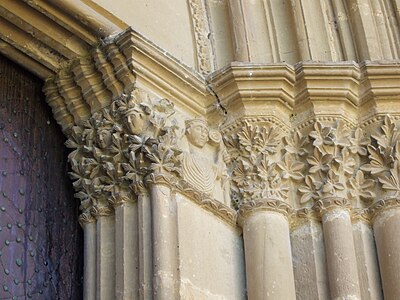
[[104, 138], [136, 120], [197, 132]]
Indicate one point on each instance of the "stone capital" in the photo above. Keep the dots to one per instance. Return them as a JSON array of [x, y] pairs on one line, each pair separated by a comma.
[[326, 205], [267, 205], [383, 205]]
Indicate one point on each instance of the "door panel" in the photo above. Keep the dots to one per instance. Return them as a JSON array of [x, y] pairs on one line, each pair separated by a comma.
[[40, 238]]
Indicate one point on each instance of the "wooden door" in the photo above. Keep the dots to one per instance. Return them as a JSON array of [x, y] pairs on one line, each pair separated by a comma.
[[40, 239]]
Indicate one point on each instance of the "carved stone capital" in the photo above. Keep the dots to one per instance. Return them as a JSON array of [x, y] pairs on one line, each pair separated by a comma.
[[121, 198], [303, 215], [269, 205], [160, 179], [136, 142], [329, 204], [85, 218], [383, 205], [361, 215], [101, 211]]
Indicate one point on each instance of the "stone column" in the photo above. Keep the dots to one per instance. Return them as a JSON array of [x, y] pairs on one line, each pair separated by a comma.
[[88, 224], [127, 248], [309, 261], [339, 247], [165, 243], [367, 260], [386, 225], [269, 269], [105, 253], [145, 245]]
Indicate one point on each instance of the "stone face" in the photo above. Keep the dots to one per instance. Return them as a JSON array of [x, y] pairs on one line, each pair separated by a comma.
[[284, 128]]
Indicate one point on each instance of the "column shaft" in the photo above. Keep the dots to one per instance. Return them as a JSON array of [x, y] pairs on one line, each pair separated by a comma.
[[269, 270], [367, 261], [387, 237], [89, 269], [127, 251], [105, 257], [165, 244], [309, 262], [145, 247], [340, 255]]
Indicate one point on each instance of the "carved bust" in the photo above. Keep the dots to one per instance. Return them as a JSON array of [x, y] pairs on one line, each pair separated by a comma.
[[197, 132], [136, 119], [203, 167], [104, 138]]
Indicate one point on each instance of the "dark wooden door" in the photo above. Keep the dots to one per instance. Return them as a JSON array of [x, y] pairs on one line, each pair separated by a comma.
[[40, 239]]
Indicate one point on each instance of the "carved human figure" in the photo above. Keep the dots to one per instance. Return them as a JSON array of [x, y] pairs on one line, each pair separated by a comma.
[[104, 138], [205, 170], [136, 119]]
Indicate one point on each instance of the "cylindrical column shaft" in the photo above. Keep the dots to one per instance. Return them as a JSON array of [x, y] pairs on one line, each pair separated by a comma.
[[89, 269], [269, 269], [165, 244], [127, 251], [145, 247], [340, 254], [105, 257], [367, 261], [386, 229]]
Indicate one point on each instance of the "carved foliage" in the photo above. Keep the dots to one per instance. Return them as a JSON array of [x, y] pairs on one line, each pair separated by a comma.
[[255, 172], [336, 155], [118, 147], [384, 164], [329, 162]]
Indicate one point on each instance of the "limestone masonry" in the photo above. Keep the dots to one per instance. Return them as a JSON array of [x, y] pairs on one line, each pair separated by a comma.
[[226, 149]]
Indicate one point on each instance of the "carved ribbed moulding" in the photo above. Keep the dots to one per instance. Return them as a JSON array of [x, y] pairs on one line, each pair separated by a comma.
[[328, 165]]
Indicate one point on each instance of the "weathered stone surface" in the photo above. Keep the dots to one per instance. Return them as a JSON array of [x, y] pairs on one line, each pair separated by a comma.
[[285, 126]]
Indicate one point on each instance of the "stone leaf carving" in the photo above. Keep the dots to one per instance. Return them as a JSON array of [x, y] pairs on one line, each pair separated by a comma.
[[133, 142], [255, 172], [201, 32], [384, 158], [119, 146], [332, 161], [335, 168]]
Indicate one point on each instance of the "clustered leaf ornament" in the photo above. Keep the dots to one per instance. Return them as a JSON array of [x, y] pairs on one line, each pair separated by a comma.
[[118, 147], [291, 163], [255, 172], [335, 166], [384, 165]]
